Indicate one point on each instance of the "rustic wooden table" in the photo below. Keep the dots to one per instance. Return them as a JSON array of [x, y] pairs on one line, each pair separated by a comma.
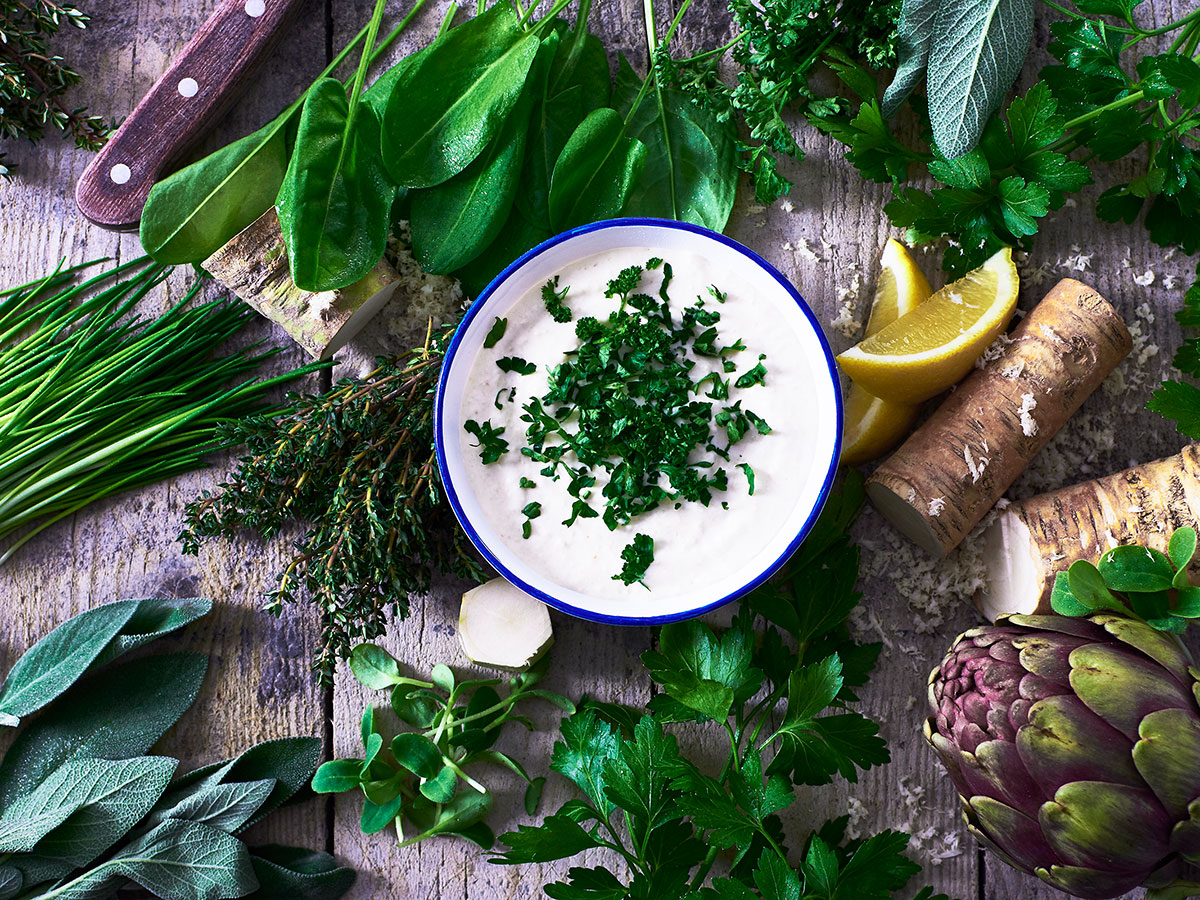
[[826, 238]]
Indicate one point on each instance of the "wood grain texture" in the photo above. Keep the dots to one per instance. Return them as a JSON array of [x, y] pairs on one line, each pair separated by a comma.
[[826, 237]]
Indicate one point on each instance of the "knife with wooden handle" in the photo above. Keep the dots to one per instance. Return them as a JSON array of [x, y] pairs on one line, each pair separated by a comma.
[[189, 98]]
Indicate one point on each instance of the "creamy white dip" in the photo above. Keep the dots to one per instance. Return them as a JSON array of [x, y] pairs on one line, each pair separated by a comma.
[[694, 545]]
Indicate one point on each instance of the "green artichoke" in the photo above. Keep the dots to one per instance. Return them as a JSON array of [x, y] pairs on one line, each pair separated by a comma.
[[1075, 747]]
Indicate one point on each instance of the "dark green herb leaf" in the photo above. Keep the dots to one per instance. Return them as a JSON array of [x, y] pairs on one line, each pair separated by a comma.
[[443, 113], [1087, 586], [1181, 549], [557, 837], [418, 754], [338, 775], [586, 746], [151, 619], [1063, 602], [638, 554], [335, 203], [491, 445], [596, 172], [914, 35], [225, 806], [495, 333], [1138, 569], [116, 713], [55, 662], [515, 364], [296, 873]]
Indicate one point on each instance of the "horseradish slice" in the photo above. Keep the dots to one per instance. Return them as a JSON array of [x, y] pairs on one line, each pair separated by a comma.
[[500, 625]]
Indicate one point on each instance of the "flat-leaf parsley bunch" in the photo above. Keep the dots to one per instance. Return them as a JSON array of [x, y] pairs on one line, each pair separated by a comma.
[[779, 683]]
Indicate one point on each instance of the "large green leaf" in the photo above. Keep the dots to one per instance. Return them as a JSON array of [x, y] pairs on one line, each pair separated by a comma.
[[113, 796], [112, 714], [451, 101], [595, 172], [690, 173], [178, 860], [225, 806], [977, 51], [577, 82], [335, 203], [454, 221], [914, 33], [192, 213], [54, 663]]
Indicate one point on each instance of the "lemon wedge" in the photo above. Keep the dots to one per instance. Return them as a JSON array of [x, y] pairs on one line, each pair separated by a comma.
[[875, 426], [931, 348]]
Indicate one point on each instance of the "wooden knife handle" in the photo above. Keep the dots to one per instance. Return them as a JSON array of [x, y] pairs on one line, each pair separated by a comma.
[[189, 98]]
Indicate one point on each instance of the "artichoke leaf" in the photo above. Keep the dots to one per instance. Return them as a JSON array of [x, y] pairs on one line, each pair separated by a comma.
[[1022, 835], [997, 770], [1160, 647], [1082, 881], [1123, 687], [1089, 824], [1168, 758], [1060, 742]]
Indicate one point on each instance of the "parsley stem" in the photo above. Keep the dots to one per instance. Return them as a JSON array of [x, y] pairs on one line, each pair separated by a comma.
[[447, 19], [716, 51], [1188, 19], [705, 868], [1127, 100]]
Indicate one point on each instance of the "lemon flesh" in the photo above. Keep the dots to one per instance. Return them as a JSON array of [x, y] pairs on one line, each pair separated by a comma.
[[874, 426], [932, 347]]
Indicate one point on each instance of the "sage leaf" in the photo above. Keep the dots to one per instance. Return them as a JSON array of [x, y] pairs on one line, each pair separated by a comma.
[[335, 202], [11, 882], [112, 714], [914, 33], [977, 51], [151, 619], [178, 860], [289, 762], [295, 873], [454, 221], [192, 213], [225, 806], [55, 662], [116, 794], [596, 171], [690, 173], [443, 111]]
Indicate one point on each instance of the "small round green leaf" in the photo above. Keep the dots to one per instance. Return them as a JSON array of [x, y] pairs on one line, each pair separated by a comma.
[[441, 788], [415, 707], [1187, 603], [376, 817], [1138, 569], [374, 667], [1063, 602], [443, 677], [418, 754], [1181, 550], [533, 794], [338, 775], [1087, 586]]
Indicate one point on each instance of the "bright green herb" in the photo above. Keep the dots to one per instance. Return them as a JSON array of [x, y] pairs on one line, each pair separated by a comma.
[[424, 782], [1138, 581], [491, 445], [555, 301], [527, 483], [638, 554], [777, 689], [515, 364], [356, 467], [625, 402], [531, 512], [87, 810], [495, 333], [94, 402]]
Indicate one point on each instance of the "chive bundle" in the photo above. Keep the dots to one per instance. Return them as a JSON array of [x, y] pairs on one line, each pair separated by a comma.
[[94, 400]]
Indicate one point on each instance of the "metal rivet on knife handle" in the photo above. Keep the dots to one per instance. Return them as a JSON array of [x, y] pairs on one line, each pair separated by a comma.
[[190, 96]]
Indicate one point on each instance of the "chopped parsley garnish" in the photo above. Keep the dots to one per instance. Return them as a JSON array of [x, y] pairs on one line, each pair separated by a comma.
[[515, 364], [491, 445], [555, 301], [749, 470], [638, 555], [531, 512], [527, 482], [757, 375], [495, 333], [512, 393]]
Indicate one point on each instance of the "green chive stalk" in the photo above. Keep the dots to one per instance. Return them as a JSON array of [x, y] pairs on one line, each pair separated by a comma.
[[94, 400]]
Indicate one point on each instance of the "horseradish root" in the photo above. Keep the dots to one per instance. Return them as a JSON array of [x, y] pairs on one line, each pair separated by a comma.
[[254, 265], [950, 472], [1032, 540], [500, 625]]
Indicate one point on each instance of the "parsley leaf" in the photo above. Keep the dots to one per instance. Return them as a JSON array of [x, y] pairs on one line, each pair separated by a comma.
[[495, 333], [638, 554], [491, 445], [555, 301], [515, 364]]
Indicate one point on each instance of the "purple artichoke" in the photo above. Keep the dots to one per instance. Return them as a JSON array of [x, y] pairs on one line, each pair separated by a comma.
[[1075, 747]]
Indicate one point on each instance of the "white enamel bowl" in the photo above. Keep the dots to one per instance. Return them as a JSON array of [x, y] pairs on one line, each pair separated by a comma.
[[820, 403]]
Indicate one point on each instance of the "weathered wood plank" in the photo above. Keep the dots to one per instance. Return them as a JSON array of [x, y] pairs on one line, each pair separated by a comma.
[[259, 685]]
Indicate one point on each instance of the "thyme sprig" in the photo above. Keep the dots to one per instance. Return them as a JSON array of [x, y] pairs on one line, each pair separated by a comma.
[[356, 466], [33, 80]]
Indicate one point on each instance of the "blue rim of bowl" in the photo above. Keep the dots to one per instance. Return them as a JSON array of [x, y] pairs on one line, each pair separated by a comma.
[[439, 418]]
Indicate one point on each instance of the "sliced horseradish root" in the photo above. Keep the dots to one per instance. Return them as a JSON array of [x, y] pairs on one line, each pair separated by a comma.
[[500, 625]]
